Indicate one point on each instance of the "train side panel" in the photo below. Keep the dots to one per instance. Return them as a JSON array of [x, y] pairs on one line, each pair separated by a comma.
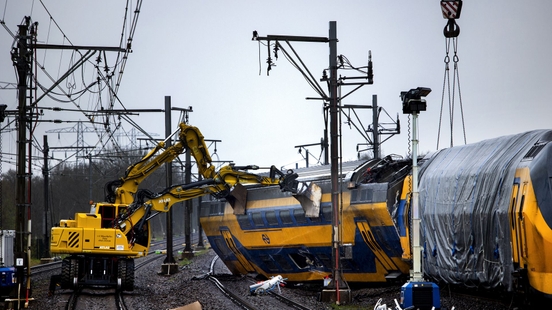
[[274, 237]]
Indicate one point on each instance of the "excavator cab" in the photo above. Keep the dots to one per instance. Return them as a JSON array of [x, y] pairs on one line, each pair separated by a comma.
[[108, 213]]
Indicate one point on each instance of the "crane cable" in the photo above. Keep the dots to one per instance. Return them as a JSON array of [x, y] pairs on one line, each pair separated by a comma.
[[451, 11]]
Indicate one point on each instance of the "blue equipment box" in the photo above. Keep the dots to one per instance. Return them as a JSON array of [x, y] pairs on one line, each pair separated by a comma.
[[7, 276], [421, 295]]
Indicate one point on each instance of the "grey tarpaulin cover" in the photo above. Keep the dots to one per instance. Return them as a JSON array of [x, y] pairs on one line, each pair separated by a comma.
[[464, 201]]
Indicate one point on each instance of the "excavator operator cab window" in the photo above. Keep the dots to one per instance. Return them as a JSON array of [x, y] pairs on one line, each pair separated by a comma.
[[108, 213]]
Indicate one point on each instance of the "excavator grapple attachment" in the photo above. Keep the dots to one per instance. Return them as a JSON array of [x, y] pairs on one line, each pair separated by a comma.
[[238, 199]]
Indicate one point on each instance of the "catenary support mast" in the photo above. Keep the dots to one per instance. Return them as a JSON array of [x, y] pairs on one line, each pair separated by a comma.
[[169, 264]]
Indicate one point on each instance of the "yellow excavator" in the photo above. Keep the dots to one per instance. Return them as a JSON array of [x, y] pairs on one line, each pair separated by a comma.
[[101, 245]]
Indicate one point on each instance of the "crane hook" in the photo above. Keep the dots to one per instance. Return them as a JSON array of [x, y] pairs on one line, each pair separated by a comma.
[[452, 30], [451, 10]]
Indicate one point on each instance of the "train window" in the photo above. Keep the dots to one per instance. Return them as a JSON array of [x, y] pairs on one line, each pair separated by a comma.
[[369, 193], [214, 210], [284, 264], [257, 219], [286, 217], [205, 209], [354, 194], [271, 218], [327, 212], [314, 219], [362, 194], [535, 150], [302, 260], [299, 215], [348, 264], [269, 263], [366, 195], [243, 220], [325, 259], [379, 195]]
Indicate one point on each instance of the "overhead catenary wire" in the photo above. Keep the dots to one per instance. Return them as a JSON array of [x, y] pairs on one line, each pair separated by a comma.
[[4, 15], [299, 65], [52, 19], [346, 65], [47, 38], [362, 130], [308, 75], [130, 37], [97, 84]]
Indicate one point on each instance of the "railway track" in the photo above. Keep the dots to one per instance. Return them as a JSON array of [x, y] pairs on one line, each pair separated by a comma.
[[235, 298], [73, 299], [101, 297], [106, 298], [242, 302], [83, 298], [180, 289], [56, 265], [292, 304], [120, 301]]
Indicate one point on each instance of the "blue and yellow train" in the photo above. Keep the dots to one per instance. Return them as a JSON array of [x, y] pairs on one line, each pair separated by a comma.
[[275, 235], [486, 211]]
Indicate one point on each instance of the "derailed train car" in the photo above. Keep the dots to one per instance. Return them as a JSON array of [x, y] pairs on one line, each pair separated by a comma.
[[486, 213], [275, 235]]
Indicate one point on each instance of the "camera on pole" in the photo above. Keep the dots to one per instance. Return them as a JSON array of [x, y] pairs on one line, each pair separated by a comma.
[[412, 101]]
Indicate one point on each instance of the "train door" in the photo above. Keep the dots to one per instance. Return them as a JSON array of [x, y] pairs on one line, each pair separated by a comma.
[[517, 227], [370, 240], [232, 246]]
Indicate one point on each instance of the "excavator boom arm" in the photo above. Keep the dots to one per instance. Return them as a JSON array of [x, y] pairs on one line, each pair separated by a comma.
[[220, 186], [189, 138]]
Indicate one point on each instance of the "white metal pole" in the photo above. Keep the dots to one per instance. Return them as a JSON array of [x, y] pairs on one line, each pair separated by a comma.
[[417, 275]]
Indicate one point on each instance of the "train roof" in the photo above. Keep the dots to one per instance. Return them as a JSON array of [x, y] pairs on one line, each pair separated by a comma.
[[324, 171]]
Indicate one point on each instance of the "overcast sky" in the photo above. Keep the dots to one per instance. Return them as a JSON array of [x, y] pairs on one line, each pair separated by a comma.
[[201, 54]]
